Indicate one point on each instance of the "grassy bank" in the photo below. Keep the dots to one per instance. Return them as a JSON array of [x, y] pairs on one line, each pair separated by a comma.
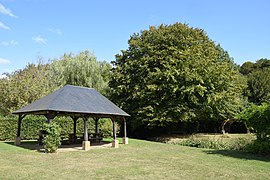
[[215, 141], [137, 160]]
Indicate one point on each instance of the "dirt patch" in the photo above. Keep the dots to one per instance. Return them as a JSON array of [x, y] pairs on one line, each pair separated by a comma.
[[65, 148], [76, 147]]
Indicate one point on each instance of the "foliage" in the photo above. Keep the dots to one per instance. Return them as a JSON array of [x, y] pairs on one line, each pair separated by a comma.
[[258, 118], [222, 143], [241, 144], [258, 80], [174, 73], [259, 147], [106, 127], [29, 128], [52, 139], [66, 125], [24, 86], [259, 86], [203, 143], [81, 69], [247, 68], [8, 127]]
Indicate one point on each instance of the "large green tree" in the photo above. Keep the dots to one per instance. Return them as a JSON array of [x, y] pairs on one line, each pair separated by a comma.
[[24, 86], [173, 73], [259, 86], [258, 80], [81, 69]]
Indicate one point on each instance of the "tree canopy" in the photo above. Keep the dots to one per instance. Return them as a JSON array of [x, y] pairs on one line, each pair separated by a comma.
[[81, 69], [174, 73], [24, 86], [258, 80]]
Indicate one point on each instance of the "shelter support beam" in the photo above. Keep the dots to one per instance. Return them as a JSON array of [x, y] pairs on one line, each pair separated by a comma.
[[50, 117], [18, 136], [125, 138], [115, 143], [75, 125], [86, 142], [96, 125]]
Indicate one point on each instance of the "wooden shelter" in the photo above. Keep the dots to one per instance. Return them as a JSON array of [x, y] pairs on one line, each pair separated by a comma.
[[76, 102]]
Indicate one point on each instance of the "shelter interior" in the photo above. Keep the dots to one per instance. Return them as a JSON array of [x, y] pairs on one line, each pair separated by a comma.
[[75, 102], [85, 137]]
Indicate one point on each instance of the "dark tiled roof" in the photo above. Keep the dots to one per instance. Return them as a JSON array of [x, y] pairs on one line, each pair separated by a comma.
[[73, 99]]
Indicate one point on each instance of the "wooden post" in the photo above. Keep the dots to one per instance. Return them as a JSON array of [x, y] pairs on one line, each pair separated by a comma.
[[74, 125], [125, 127], [85, 137], [125, 138], [19, 126], [18, 137], [86, 142], [114, 130], [115, 143], [96, 126]]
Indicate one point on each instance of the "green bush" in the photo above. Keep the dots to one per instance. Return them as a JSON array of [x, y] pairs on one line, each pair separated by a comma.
[[240, 144], [258, 119], [8, 127], [52, 139], [106, 127], [259, 147], [29, 127]]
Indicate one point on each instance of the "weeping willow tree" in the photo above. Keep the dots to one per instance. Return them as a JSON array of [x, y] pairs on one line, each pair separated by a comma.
[[81, 69]]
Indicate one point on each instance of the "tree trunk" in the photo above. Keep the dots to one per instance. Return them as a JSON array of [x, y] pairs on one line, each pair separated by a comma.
[[223, 126], [248, 130]]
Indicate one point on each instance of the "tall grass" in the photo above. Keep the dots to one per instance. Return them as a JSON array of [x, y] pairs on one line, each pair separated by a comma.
[[223, 142]]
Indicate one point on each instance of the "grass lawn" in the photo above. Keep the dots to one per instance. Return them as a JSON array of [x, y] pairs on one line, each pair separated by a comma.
[[137, 160]]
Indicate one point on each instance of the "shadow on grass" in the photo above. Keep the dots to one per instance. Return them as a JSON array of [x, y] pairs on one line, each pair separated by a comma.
[[29, 145], [33, 145], [239, 155]]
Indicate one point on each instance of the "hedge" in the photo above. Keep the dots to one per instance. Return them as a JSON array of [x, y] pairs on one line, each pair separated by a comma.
[[32, 124]]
